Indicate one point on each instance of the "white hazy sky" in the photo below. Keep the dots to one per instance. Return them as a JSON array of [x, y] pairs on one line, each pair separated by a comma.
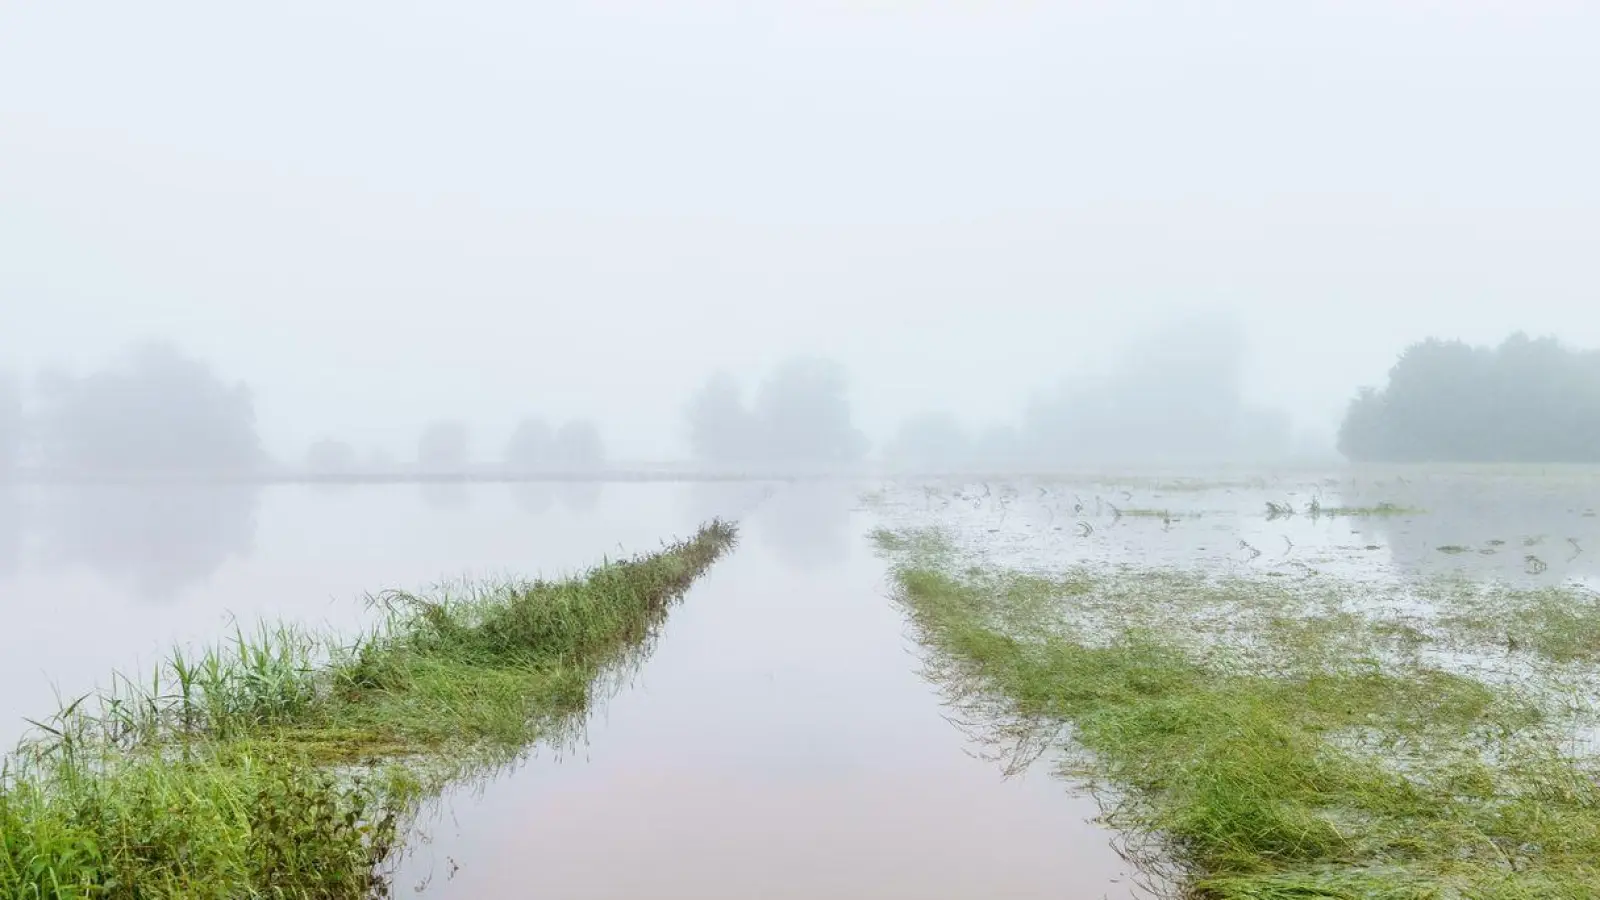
[[380, 213]]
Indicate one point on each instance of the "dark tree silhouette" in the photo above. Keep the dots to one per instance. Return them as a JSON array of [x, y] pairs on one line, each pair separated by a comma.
[[1527, 400], [156, 409], [442, 447]]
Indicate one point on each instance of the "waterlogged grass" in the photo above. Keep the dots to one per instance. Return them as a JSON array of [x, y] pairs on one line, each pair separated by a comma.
[[284, 764], [1316, 510], [1267, 741], [1146, 513], [1366, 512], [1555, 625]]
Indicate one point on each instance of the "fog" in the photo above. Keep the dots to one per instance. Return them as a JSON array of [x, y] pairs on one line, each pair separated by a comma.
[[563, 236]]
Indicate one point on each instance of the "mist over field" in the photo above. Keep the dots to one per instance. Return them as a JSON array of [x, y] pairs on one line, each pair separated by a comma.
[[936, 234]]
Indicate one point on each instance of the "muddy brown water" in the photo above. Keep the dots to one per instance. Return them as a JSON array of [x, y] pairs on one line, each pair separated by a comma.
[[777, 742]]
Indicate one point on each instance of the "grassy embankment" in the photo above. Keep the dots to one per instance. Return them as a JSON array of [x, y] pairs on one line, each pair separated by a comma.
[[285, 764], [1258, 739]]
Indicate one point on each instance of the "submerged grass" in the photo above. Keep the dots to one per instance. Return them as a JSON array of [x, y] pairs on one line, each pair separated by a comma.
[[1269, 743], [284, 764]]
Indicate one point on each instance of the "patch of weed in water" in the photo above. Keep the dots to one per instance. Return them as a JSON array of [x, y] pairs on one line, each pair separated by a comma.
[[1366, 512], [1149, 513], [1559, 625], [284, 764], [1270, 739]]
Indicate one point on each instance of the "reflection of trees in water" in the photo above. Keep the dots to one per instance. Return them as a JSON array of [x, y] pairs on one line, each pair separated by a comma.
[[532, 497], [580, 496], [157, 539], [539, 497], [1497, 526], [445, 496], [733, 501], [10, 527], [807, 525]]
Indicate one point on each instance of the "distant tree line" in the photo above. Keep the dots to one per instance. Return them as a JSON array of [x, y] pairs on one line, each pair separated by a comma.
[[1176, 396], [446, 446], [1527, 400], [152, 409], [799, 416], [574, 447]]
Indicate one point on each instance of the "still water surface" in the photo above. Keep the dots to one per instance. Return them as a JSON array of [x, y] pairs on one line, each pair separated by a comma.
[[778, 742]]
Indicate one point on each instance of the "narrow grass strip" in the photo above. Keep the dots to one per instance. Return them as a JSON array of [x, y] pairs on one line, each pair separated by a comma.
[[283, 763]]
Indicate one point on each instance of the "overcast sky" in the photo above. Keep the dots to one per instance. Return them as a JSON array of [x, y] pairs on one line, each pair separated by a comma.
[[379, 213]]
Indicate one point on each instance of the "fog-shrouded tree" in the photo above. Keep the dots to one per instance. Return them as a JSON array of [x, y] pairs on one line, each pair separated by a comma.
[[443, 446], [158, 540], [574, 447], [11, 423], [1525, 400], [721, 427], [529, 449], [1176, 396], [379, 459], [331, 457], [999, 447], [155, 409], [931, 441], [802, 413], [578, 447]]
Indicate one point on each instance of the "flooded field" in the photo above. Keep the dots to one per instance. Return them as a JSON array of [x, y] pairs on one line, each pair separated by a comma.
[[1380, 684], [785, 736], [1530, 526], [778, 741]]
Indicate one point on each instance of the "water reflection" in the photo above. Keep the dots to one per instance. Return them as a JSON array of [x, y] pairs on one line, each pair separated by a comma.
[[777, 744], [10, 528], [532, 497], [580, 496], [733, 501], [807, 525], [537, 498], [445, 496], [1512, 528], [157, 540], [1033, 748]]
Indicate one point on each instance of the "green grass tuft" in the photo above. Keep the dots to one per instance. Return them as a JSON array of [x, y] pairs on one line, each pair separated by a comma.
[[1270, 741], [285, 764]]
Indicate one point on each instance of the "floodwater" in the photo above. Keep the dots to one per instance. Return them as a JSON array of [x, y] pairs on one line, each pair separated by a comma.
[[1527, 526], [778, 742]]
